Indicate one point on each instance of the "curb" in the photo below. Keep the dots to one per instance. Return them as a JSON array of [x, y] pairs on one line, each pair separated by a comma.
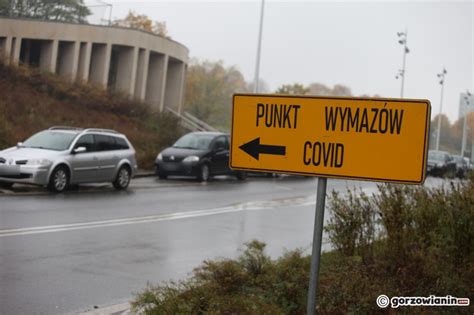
[[118, 309], [144, 173]]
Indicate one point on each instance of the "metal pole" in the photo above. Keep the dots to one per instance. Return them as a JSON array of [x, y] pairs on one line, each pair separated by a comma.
[[110, 15], [317, 240], [472, 145], [404, 62], [464, 128], [439, 116], [259, 48], [464, 134]]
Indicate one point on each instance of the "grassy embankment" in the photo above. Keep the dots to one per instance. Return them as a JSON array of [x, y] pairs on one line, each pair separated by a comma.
[[404, 241], [31, 101]]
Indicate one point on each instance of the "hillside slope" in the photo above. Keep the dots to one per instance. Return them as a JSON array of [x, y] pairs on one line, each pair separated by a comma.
[[31, 101]]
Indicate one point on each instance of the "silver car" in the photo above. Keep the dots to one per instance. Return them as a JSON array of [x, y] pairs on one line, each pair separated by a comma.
[[61, 156]]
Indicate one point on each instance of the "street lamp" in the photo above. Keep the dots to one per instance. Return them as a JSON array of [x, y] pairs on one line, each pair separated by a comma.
[[259, 48], [441, 82], [402, 40], [102, 4], [464, 128]]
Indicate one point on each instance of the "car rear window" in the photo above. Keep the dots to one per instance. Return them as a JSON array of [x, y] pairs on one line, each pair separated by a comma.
[[121, 144], [109, 143]]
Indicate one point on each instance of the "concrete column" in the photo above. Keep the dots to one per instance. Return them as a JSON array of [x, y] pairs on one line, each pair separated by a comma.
[[174, 84], [181, 88], [68, 56], [164, 82], [84, 61], [100, 63], [156, 80], [15, 51], [142, 74], [108, 52], [49, 55], [127, 69], [133, 74], [5, 49], [75, 61]]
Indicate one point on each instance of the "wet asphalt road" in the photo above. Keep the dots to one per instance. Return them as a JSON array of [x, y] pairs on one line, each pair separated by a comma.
[[62, 254]]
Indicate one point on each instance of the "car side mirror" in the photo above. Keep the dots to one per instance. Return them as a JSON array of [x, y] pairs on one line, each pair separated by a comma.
[[79, 150], [19, 144]]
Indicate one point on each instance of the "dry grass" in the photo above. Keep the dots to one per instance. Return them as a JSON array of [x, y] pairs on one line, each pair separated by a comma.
[[31, 101]]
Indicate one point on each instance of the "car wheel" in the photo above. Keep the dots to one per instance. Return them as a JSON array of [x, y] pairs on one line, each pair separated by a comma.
[[449, 173], [204, 173], [160, 174], [241, 175], [59, 179], [123, 178], [6, 185]]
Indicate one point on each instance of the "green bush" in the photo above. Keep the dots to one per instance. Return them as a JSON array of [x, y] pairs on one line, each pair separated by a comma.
[[423, 244], [403, 241], [251, 284], [352, 224]]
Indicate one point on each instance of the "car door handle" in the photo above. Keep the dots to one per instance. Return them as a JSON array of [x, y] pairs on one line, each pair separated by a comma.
[[95, 158]]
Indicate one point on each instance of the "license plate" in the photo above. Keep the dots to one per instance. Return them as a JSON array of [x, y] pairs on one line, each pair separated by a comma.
[[9, 170], [171, 167]]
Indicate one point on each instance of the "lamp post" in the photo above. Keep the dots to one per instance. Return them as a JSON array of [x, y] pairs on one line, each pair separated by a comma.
[[259, 48], [441, 82], [102, 4], [402, 40], [464, 128]]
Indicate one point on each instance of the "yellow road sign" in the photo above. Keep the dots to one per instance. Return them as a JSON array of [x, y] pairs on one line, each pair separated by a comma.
[[361, 138]]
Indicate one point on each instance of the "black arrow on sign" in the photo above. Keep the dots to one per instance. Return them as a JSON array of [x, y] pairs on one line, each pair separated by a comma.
[[254, 149]]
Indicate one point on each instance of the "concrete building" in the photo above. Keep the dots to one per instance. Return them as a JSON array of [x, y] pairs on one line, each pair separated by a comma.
[[145, 66]]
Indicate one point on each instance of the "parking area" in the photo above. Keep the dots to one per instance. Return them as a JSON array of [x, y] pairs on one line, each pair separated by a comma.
[[146, 180]]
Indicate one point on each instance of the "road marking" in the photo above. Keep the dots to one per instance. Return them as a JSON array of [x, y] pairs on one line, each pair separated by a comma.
[[248, 206], [119, 309]]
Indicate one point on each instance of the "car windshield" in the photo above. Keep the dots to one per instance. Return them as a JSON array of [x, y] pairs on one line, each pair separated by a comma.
[[50, 140], [194, 141], [437, 156]]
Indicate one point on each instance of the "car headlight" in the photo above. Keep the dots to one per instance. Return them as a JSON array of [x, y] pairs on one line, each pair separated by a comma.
[[39, 162], [159, 157], [191, 158]]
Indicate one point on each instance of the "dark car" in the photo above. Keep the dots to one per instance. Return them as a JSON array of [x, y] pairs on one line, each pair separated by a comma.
[[462, 166], [441, 163], [197, 154]]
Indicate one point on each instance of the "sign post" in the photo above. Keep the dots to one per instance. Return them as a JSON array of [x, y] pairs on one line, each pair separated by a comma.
[[376, 139], [317, 240]]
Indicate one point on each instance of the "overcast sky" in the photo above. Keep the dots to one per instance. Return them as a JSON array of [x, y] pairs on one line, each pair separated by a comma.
[[352, 43]]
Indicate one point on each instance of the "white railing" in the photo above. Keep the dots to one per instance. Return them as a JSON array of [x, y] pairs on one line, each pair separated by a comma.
[[191, 122]]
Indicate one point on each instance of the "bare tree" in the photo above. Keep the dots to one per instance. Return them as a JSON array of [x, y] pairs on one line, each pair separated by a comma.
[[144, 23]]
